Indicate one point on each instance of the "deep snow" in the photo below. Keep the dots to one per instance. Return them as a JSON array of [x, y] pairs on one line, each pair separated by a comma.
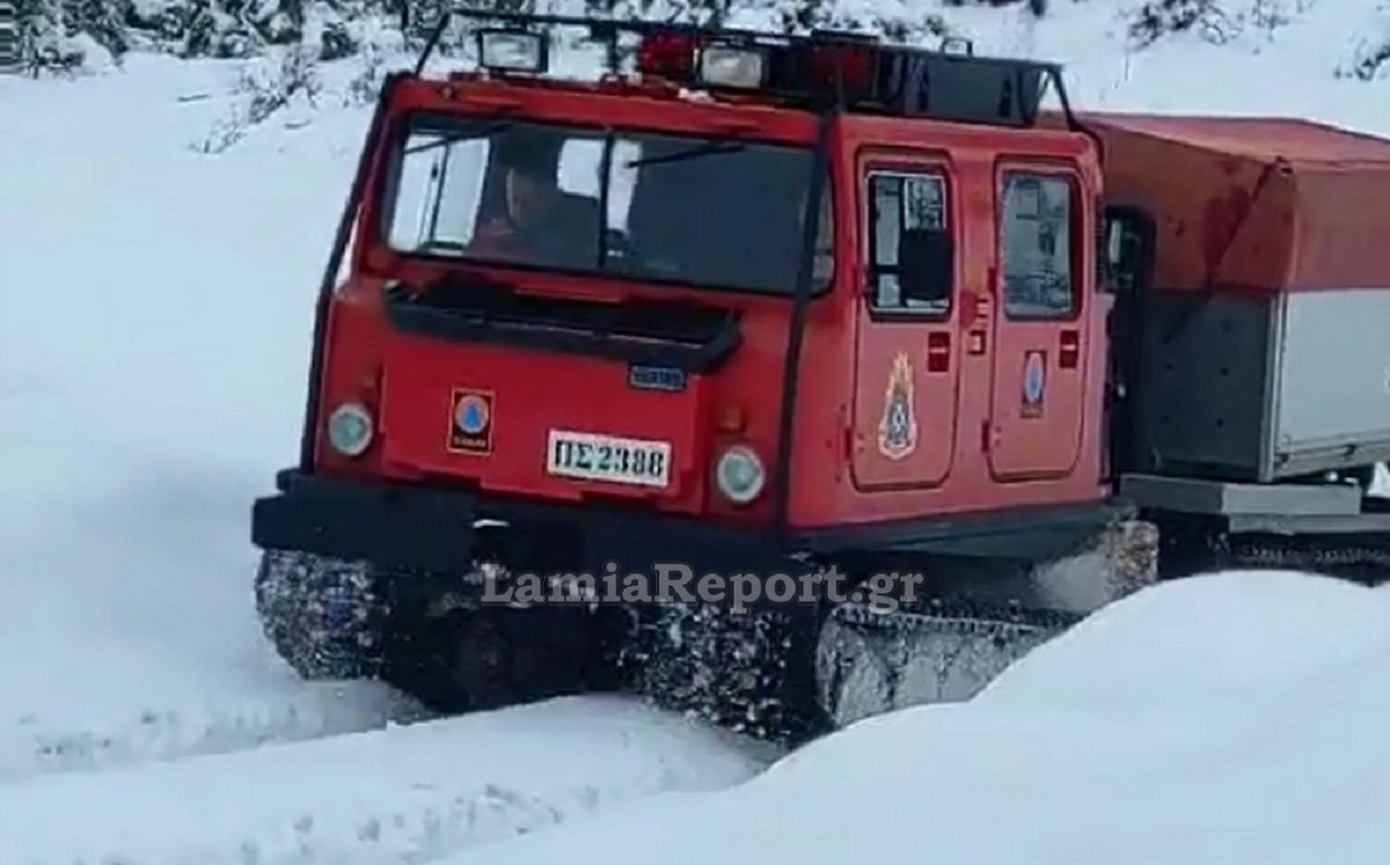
[[154, 310], [1248, 728]]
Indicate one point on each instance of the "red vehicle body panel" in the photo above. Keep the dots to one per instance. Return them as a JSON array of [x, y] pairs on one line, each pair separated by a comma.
[[976, 450], [1253, 204], [408, 380]]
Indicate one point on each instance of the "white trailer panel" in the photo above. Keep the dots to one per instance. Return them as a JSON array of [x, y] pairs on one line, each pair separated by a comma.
[[1333, 373], [1263, 387]]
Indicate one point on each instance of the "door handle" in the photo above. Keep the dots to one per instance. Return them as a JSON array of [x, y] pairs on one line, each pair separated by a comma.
[[938, 351], [1069, 349]]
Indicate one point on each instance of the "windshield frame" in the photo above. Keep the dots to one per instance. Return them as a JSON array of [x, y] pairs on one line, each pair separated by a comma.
[[381, 210]]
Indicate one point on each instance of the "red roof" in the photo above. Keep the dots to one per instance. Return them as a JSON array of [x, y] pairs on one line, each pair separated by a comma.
[[1292, 139], [1265, 204]]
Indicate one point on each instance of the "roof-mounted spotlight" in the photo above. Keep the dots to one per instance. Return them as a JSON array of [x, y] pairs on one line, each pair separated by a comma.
[[958, 45], [509, 50], [733, 66]]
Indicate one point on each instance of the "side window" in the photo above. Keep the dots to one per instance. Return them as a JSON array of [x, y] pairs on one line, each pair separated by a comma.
[[911, 255], [1037, 236]]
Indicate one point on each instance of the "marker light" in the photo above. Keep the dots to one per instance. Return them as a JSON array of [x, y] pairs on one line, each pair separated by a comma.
[[728, 66], [740, 475], [512, 51], [667, 55], [846, 63], [350, 429]]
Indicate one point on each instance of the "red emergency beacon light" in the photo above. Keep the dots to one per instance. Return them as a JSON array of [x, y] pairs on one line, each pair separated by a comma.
[[668, 55]]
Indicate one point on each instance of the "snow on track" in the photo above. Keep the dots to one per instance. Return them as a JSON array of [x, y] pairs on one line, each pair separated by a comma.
[[400, 795]]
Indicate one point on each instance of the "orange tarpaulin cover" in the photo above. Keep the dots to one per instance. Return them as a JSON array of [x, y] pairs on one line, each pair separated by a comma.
[[1253, 203]]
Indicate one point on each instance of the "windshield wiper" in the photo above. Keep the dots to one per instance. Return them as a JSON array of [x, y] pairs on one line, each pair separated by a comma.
[[487, 131], [711, 148]]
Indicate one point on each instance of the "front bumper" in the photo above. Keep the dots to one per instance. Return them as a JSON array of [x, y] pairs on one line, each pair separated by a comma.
[[429, 528], [420, 527]]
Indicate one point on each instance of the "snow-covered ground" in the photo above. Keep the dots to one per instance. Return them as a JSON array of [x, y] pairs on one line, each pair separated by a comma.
[[159, 299], [154, 309], [406, 794]]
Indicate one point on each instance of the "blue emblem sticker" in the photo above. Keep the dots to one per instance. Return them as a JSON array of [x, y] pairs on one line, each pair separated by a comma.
[[470, 421], [1034, 383]]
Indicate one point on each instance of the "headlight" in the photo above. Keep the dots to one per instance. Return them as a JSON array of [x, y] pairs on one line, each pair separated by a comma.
[[350, 429], [740, 475]]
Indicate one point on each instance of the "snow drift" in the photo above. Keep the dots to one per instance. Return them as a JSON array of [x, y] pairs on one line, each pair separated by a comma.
[[1232, 718]]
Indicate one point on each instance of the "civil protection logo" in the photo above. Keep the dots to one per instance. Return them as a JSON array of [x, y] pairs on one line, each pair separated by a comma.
[[470, 422], [472, 414], [1034, 383]]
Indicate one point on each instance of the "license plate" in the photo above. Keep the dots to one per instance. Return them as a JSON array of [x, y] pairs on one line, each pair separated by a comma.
[[591, 457]]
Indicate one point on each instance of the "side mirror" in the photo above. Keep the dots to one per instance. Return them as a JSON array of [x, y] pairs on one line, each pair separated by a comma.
[[1123, 241], [928, 262], [1115, 251]]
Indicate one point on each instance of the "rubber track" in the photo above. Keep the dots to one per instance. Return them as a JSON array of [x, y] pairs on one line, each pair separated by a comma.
[[1013, 623], [1291, 554], [1007, 624]]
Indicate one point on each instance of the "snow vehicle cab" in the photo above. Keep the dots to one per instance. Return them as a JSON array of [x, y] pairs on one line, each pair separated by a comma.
[[855, 333]]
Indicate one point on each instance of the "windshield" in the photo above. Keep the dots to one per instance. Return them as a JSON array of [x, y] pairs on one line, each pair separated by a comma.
[[703, 211]]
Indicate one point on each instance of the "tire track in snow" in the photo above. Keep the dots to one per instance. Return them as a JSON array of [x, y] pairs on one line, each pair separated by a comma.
[[400, 795], [29, 746]]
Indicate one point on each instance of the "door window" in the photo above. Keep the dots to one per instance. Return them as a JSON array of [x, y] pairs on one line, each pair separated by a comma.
[[1037, 237], [908, 211]]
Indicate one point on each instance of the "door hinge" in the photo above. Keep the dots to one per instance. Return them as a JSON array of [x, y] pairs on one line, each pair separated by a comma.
[[985, 435]]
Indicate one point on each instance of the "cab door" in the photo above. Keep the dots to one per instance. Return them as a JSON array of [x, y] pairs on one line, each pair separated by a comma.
[[907, 354], [1044, 257]]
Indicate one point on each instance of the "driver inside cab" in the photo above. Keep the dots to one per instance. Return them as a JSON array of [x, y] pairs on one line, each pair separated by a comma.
[[539, 223]]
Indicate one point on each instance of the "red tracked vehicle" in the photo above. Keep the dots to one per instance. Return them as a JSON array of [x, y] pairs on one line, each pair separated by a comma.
[[767, 304]]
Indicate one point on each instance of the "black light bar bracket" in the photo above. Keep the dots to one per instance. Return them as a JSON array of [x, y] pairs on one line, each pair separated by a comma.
[[909, 81]]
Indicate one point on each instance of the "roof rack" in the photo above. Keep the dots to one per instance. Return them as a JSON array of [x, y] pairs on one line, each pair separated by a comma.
[[865, 74]]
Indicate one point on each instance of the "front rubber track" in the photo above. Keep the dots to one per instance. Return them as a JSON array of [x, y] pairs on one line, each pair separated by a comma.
[[331, 619], [484, 658], [325, 617]]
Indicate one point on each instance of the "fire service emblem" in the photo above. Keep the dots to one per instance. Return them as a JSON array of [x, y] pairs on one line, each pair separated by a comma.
[[897, 431]]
